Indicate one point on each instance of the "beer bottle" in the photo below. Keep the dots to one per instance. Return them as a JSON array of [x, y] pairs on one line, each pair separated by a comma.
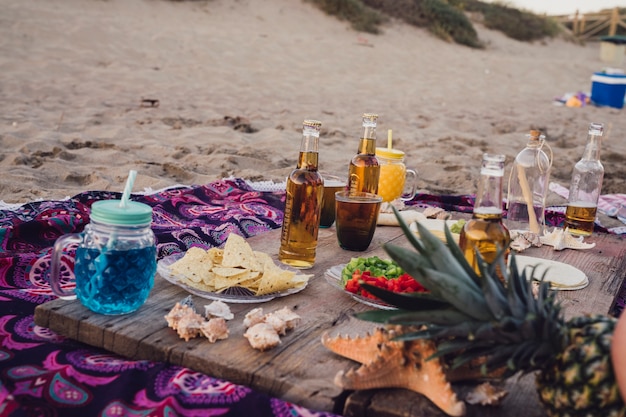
[[585, 187], [528, 187], [485, 232], [298, 239], [364, 168]]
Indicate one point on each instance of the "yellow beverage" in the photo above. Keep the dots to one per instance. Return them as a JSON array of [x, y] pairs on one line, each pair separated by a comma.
[[579, 218], [391, 181]]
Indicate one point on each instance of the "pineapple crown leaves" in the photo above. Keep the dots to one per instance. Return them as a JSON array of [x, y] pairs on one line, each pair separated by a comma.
[[469, 315]]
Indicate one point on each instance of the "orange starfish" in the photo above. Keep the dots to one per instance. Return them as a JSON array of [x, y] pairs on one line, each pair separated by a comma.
[[398, 364]]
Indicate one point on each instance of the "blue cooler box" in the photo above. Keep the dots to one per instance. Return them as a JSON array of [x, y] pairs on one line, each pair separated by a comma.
[[608, 89]]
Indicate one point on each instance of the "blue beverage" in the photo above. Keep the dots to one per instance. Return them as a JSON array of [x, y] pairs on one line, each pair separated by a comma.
[[114, 281]]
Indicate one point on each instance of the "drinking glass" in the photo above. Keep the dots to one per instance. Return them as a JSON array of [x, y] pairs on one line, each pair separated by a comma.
[[356, 217]]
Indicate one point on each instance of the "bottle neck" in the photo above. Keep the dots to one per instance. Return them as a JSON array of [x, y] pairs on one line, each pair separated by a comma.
[[309, 150], [367, 144], [489, 195], [592, 150]]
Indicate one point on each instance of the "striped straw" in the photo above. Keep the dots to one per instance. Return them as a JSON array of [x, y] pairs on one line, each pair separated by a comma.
[[129, 186]]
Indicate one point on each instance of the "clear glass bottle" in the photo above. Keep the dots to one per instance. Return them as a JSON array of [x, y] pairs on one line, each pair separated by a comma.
[[364, 169], [528, 187], [298, 239], [485, 231], [586, 185]]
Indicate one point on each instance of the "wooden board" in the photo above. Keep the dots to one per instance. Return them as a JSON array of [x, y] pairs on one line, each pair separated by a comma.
[[301, 370]]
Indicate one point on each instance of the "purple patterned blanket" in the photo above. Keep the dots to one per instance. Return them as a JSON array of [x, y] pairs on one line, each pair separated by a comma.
[[43, 374]]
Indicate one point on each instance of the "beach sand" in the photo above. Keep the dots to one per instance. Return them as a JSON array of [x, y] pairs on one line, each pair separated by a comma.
[[235, 79]]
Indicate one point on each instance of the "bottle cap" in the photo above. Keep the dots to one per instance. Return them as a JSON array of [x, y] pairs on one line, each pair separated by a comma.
[[369, 119], [389, 153], [493, 165], [315, 124], [536, 135], [596, 129], [132, 214]]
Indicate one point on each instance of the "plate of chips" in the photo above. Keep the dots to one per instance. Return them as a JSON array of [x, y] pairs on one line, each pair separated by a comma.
[[234, 273]]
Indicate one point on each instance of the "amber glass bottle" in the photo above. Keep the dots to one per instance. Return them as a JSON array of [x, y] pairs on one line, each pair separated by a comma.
[[364, 169], [485, 231], [298, 239]]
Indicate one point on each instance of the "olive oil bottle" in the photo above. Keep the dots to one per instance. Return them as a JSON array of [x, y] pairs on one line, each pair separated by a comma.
[[364, 169], [298, 239], [485, 231]]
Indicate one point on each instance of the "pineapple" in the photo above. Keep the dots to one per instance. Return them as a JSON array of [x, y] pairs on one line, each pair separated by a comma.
[[507, 327]]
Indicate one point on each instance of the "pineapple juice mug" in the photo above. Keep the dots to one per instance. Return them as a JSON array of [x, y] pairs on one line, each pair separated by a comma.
[[395, 181]]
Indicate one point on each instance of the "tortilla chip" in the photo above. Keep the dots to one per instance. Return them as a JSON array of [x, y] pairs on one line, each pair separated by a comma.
[[194, 265], [237, 252]]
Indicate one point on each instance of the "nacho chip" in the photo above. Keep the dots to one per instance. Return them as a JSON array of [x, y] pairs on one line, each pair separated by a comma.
[[194, 265], [275, 279], [237, 252]]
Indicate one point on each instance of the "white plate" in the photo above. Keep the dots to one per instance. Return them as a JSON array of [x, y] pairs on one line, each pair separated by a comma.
[[561, 276], [229, 295], [436, 227], [333, 277]]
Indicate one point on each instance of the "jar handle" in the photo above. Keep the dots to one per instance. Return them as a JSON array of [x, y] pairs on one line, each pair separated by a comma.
[[410, 183], [55, 265]]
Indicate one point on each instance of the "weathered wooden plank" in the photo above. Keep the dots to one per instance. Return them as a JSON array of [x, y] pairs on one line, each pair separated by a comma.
[[301, 370]]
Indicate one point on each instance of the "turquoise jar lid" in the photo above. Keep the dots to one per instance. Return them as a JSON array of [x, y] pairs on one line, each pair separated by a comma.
[[132, 214]]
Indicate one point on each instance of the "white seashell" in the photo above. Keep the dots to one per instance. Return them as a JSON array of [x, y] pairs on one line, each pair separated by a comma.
[[561, 239], [218, 309], [262, 336]]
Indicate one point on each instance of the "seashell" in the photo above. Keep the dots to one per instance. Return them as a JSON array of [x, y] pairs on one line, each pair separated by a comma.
[[262, 336], [436, 213], [215, 329], [486, 394], [521, 240], [290, 318], [253, 317], [189, 325], [218, 309], [561, 239]]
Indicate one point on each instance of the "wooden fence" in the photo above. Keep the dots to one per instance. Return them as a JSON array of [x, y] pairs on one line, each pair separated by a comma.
[[591, 26]]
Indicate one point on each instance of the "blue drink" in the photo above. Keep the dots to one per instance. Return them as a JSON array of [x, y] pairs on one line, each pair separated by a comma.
[[114, 281]]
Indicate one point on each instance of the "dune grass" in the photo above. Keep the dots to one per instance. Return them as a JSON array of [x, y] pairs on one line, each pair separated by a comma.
[[446, 19]]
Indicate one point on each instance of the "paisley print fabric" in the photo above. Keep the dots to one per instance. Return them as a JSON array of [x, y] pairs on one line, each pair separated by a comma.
[[44, 374]]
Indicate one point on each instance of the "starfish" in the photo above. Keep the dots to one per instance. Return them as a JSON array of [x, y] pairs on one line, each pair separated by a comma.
[[386, 363], [562, 239]]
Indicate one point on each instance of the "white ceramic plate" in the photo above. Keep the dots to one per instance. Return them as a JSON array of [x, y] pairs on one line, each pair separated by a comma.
[[562, 276], [230, 295], [436, 227], [333, 277]]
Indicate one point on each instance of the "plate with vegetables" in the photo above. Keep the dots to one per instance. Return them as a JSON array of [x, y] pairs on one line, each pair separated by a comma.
[[375, 271]]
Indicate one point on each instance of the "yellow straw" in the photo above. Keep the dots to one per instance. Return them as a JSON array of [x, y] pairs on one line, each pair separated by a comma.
[[389, 139]]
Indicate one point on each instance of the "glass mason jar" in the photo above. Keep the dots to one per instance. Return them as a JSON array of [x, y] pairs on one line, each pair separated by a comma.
[[395, 180], [115, 260]]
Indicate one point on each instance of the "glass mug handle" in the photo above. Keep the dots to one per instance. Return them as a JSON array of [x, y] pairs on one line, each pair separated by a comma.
[[55, 265], [410, 185]]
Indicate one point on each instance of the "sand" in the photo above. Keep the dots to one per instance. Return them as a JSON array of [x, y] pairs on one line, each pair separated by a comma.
[[234, 80]]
